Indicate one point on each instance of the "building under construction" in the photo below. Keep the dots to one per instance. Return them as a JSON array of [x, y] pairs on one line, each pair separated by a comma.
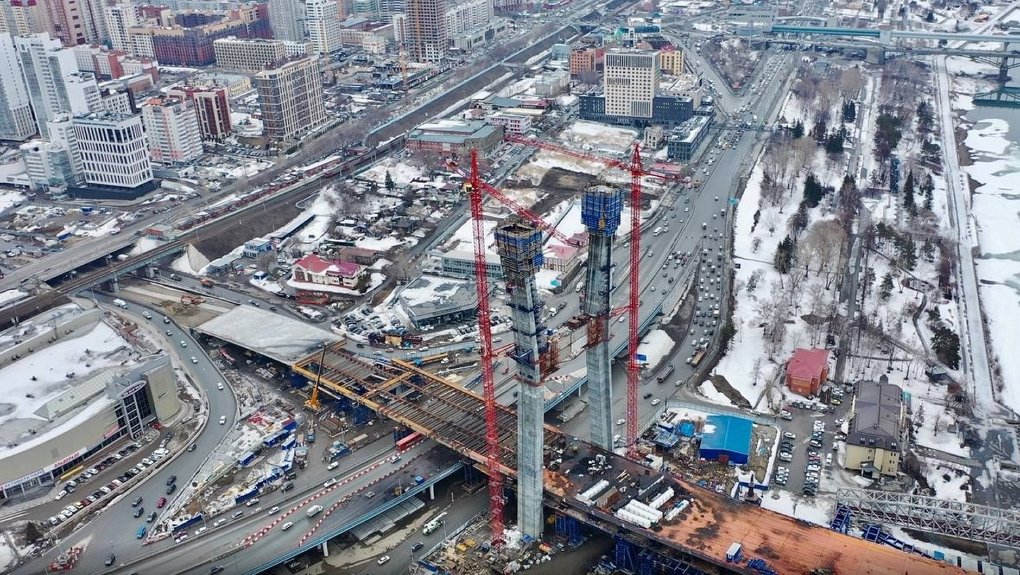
[[600, 211], [519, 245]]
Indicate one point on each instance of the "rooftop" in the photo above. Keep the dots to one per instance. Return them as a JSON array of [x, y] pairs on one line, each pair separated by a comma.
[[727, 432], [316, 265], [807, 363], [264, 332], [876, 420], [429, 296]]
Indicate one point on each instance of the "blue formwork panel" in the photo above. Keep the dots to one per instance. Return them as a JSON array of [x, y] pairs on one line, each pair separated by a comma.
[[600, 210]]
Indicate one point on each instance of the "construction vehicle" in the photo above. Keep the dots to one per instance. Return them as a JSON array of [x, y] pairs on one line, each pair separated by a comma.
[[206, 282], [188, 299], [696, 358]]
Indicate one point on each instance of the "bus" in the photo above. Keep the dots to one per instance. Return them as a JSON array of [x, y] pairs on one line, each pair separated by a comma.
[[409, 441]]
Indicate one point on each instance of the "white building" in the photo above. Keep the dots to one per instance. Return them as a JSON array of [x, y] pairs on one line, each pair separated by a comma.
[[631, 78], [467, 16], [16, 122], [113, 150], [49, 71], [400, 34], [171, 128], [119, 19], [322, 18]]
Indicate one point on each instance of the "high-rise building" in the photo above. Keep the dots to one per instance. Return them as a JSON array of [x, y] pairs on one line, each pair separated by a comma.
[[113, 150], [20, 17], [171, 128], [426, 24], [16, 121], [322, 19], [287, 18], [94, 16], [291, 98], [468, 16], [400, 32], [65, 20], [631, 79], [53, 81], [55, 163], [119, 19], [212, 106], [248, 55]]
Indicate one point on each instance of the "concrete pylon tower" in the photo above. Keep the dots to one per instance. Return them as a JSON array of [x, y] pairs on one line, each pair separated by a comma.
[[519, 245], [601, 207]]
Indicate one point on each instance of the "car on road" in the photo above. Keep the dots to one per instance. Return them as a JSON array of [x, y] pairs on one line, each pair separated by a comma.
[[333, 466], [656, 401], [417, 546], [274, 509], [330, 482], [219, 386], [139, 511], [136, 502], [215, 569], [170, 490], [223, 419], [621, 421], [286, 526], [383, 560], [184, 343], [237, 514], [110, 560], [151, 517], [252, 502], [160, 502], [141, 532], [171, 480], [194, 359]]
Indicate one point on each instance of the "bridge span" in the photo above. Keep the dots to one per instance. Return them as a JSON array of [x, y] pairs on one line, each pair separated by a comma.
[[699, 534]]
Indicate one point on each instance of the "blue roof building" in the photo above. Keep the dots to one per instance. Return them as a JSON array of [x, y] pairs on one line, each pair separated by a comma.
[[726, 438]]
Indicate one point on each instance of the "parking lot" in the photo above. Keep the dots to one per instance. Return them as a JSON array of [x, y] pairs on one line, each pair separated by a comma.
[[802, 425]]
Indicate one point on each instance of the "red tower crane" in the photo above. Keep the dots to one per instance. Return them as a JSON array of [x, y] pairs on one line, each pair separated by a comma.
[[475, 192], [637, 171]]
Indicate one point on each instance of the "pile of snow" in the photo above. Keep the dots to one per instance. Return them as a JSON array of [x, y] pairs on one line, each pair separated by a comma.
[[655, 346], [145, 244], [191, 262], [10, 199], [7, 556], [11, 295], [401, 172]]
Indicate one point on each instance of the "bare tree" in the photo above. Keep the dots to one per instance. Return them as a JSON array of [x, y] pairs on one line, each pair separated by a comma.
[[851, 82], [825, 240]]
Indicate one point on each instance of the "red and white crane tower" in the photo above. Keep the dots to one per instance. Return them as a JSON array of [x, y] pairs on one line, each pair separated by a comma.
[[477, 188], [636, 169]]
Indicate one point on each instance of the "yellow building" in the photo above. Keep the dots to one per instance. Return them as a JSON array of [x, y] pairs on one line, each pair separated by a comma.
[[672, 61], [877, 429]]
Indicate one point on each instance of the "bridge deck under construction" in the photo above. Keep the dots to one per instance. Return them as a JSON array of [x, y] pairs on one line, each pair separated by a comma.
[[702, 533]]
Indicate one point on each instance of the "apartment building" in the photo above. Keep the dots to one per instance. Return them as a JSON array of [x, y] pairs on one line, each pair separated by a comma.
[[291, 98], [16, 121], [287, 19], [120, 18], [212, 106], [429, 39], [322, 20], [172, 130], [54, 83], [248, 55]]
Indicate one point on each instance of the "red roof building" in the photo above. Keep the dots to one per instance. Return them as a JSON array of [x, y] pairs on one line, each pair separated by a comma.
[[807, 370], [315, 270]]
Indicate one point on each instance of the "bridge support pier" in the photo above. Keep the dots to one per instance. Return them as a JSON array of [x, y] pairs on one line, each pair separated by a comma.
[[113, 286], [432, 492], [1004, 70], [519, 245], [600, 211], [149, 272], [325, 548]]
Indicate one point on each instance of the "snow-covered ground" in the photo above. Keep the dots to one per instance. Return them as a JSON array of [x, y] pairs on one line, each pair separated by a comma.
[[996, 166], [7, 557], [191, 262], [401, 172], [10, 198], [708, 390], [11, 295], [591, 136], [655, 347]]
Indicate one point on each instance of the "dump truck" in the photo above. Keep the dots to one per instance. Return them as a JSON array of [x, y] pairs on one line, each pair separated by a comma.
[[696, 358]]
